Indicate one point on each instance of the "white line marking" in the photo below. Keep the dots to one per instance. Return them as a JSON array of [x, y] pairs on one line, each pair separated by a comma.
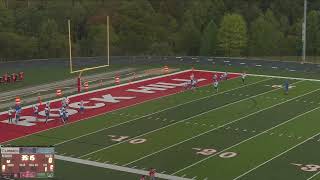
[[181, 121], [250, 137], [318, 173], [62, 125], [280, 153], [206, 132], [154, 113], [262, 75], [117, 168]]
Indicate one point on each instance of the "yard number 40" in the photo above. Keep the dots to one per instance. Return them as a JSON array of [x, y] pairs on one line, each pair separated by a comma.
[[124, 138]]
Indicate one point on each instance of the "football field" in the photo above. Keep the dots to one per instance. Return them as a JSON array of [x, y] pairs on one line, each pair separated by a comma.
[[245, 131]]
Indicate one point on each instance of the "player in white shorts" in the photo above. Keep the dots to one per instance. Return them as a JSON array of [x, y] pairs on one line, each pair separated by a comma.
[[216, 85], [36, 112]]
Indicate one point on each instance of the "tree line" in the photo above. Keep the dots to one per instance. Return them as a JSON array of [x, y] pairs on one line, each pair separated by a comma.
[[38, 28]]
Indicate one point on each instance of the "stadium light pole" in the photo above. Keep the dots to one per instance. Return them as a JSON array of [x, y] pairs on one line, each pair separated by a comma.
[[304, 32]]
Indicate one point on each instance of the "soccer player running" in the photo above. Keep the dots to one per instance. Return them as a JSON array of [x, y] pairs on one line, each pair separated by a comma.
[[194, 83], [36, 112], [81, 107], [61, 115], [66, 115], [243, 77], [18, 113], [47, 113], [216, 86], [225, 75], [286, 87], [215, 77], [10, 115], [48, 105], [67, 102]]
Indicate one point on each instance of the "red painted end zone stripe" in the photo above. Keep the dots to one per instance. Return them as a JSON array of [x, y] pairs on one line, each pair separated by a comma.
[[12, 131]]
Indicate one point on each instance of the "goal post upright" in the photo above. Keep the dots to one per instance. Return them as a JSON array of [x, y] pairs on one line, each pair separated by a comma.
[[80, 71]]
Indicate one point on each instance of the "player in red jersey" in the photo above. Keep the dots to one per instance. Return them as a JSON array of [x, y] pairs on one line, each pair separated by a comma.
[[152, 173], [143, 177]]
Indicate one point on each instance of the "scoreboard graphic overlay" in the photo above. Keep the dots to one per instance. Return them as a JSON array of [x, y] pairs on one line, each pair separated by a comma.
[[27, 162]]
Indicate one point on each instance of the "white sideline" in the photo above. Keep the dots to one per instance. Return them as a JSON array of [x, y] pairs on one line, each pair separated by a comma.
[[169, 125], [205, 97], [117, 168], [318, 173], [255, 135], [262, 75], [231, 122], [293, 147]]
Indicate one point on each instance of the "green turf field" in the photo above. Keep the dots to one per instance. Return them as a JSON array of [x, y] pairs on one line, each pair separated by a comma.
[[246, 132]]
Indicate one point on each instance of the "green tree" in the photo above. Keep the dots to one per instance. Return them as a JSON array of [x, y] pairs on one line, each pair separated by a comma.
[[6, 19], [209, 40], [266, 36], [232, 35], [51, 42], [14, 46], [313, 33], [96, 42], [189, 39]]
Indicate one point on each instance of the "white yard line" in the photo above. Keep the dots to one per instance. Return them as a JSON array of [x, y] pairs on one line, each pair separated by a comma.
[[282, 152], [206, 132], [262, 75], [158, 111], [107, 88], [1, 113], [318, 173], [253, 136], [181, 121], [117, 168]]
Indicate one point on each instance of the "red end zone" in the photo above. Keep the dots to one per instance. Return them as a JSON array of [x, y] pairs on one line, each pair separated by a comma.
[[101, 101]]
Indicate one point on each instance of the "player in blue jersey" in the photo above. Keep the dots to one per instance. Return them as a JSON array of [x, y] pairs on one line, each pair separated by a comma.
[[66, 115], [18, 114], [286, 87], [47, 113], [81, 107], [194, 83], [61, 115]]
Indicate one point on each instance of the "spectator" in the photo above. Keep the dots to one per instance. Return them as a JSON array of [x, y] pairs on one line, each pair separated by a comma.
[[152, 173], [5, 78], [14, 77], [21, 76]]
